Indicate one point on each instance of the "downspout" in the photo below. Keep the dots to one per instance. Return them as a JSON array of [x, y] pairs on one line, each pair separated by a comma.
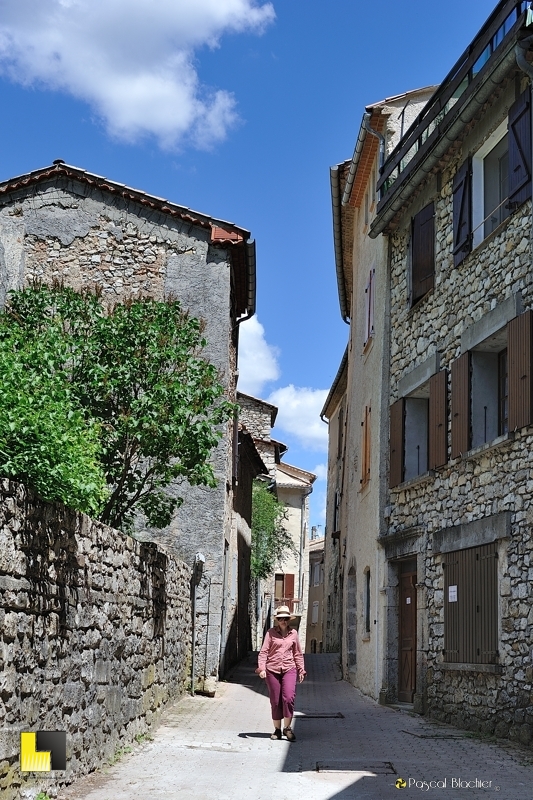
[[520, 50], [251, 273], [197, 570], [378, 135], [303, 523]]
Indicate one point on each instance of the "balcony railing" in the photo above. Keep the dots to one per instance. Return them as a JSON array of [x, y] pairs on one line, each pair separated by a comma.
[[506, 19]]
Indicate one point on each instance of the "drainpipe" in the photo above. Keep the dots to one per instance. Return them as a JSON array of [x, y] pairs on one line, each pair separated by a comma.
[[520, 52], [197, 571], [305, 495], [378, 135]]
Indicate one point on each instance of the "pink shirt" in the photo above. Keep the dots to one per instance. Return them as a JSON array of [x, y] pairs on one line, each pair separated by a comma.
[[281, 653]]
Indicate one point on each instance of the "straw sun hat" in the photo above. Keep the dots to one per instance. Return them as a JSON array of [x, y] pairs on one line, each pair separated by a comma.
[[284, 613]]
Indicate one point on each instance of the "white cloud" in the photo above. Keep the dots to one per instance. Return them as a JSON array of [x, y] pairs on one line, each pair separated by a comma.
[[321, 472], [299, 415], [257, 359], [133, 61]]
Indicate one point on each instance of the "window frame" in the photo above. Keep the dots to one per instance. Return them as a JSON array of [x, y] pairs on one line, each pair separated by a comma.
[[478, 183]]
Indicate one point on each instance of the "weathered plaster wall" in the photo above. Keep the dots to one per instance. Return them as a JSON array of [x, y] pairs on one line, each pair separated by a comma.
[[95, 635], [68, 231], [483, 485]]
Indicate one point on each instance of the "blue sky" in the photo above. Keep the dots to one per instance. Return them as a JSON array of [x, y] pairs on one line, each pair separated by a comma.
[[236, 108]]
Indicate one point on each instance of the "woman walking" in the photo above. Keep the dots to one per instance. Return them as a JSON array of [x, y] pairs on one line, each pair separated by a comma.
[[281, 663]]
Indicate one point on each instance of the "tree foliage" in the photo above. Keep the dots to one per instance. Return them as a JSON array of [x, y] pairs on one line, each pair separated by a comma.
[[135, 374], [270, 539], [45, 440]]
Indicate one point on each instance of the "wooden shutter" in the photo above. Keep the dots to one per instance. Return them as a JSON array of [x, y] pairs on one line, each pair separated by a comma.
[[471, 605], [461, 405], [462, 212], [519, 354], [520, 150], [288, 586], [423, 253], [396, 442], [369, 306], [438, 419]]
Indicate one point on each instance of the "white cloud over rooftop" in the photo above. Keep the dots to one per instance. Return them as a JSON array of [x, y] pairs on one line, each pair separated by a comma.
[[299, 415], [133, 61], [258, 364]]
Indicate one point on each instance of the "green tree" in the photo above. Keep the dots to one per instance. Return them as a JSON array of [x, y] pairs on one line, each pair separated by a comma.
[[45, 439], [136, 369], [271, 541]]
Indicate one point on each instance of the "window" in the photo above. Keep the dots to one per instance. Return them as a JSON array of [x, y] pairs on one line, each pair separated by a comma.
[[369, 306], [471, 605], [480, 394], [314, 618], [496, 181], [316, 575], [365, 447], [422, 253], [284, 590], [418, 430]]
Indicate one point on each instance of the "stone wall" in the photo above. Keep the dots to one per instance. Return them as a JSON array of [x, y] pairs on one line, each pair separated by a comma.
[[489, 482], [95, 631], [72, 231]]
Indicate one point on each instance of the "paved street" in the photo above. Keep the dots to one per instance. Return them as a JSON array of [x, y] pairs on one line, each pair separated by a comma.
[[347, 747]]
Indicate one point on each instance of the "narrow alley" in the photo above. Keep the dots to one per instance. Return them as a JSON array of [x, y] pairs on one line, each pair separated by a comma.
[[347, 747]]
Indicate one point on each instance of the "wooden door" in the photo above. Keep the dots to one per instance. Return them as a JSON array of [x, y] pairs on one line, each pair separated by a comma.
[[407, 638]]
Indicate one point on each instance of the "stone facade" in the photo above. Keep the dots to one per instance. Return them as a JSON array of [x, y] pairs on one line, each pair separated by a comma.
[[292, 487], [359, 420], [64, 224], [493, 282], [95, 635], [449, 610]]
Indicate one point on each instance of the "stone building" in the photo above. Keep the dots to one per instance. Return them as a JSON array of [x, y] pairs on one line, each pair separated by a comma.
[[335, 531], [453, 581], [63, 223], [455, 203], [292, 486], [357, 407], [314, 642]]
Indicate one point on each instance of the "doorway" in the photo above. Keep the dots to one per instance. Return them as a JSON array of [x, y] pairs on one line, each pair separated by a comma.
[[407, 631]]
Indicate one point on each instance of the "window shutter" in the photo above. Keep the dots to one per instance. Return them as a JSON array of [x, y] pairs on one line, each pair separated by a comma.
[[369, 306], [396, 442], [461, 405], [288, 586], [462, 212], [423, 253], [519, 354], [520, 150], [438, 419], [371, 282]]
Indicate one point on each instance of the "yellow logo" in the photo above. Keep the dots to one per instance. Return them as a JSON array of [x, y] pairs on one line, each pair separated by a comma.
[[401, 783], [43, 751]]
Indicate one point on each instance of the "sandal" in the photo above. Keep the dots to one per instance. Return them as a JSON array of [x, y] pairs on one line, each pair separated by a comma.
[[276, 734], [289, 734]]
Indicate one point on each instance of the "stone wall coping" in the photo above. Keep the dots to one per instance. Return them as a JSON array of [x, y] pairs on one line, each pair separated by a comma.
[[473, 534], [496, 669], [491, 322], [419, 375]]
